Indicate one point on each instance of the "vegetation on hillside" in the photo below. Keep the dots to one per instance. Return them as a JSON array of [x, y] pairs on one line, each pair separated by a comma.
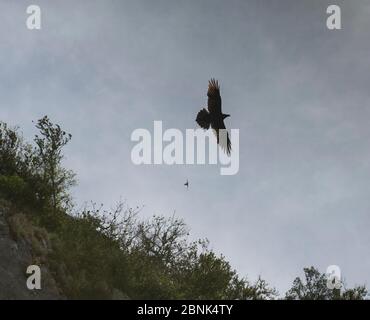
[[113, 254]]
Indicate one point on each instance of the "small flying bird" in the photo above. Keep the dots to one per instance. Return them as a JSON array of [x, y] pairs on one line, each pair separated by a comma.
[[213, 117], [186, 184]]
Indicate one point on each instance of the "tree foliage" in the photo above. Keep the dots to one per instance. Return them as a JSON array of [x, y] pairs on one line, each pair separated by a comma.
[[314, 287], [33, 175], [49, 158]]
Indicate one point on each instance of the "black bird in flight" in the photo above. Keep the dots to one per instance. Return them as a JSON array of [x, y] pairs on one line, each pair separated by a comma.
[[187, 184], [213, 117]]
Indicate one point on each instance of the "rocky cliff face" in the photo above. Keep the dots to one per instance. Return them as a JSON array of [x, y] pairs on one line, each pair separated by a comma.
[[15, 257]]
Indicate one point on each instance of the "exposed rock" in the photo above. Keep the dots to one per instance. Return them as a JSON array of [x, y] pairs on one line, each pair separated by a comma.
[[15, 257]]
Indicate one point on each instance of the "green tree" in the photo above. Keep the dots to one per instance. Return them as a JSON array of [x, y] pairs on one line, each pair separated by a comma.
[[9, 150], [314, 287], [18, 181], [50, 156]]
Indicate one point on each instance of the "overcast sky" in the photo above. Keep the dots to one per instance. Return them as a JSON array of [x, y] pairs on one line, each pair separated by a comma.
[[298, 92]]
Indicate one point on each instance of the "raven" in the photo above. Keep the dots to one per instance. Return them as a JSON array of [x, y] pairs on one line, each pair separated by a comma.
[[213, 117]]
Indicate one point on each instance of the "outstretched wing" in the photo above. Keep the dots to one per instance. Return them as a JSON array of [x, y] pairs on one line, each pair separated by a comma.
[[203, 119], [222, 135], [214, 98]]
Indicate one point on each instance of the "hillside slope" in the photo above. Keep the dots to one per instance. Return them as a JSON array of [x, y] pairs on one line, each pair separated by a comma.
[[15, 257]]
